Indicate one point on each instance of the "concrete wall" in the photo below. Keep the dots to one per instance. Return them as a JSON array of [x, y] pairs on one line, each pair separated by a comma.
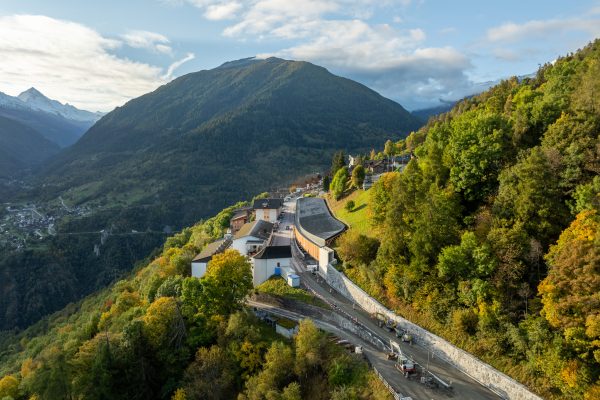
[[325, 258], [198, 269], [485, 374]]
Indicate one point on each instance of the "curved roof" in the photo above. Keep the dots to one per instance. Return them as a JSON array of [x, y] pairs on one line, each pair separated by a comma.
[[315, 222]]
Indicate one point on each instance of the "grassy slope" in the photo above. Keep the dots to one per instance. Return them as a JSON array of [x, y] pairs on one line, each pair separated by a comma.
[[277, 286], [357, 219]]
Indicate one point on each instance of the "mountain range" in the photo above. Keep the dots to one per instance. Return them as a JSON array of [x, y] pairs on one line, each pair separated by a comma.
[[176, 156], [214, 136], [29, 115]]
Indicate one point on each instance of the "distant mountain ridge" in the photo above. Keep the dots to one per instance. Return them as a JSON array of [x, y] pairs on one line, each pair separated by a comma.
[[60, 123], [34, 127]]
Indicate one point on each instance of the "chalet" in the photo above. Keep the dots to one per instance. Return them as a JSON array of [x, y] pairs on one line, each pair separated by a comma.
[[316, 228], [252, 236], [267, 209], [239, 218], [200, 262], [269, 261]]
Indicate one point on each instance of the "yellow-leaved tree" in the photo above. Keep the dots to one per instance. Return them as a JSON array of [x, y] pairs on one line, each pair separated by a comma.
[[571, 299]]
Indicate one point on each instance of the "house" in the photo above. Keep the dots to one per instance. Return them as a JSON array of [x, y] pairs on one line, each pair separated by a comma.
[[239, 218], [200, 262], [252, 236], [315, 229], [267, 209], [269, 261]]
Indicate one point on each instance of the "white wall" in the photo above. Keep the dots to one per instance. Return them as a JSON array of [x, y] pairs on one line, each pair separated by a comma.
[[325, 257], [267, 214], [198, 269], [263, 269], [241, 244]]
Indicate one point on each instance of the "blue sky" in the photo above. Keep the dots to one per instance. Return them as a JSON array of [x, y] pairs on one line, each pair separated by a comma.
[[98, 54]]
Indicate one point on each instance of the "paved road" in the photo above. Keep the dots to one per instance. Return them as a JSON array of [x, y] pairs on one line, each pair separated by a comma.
[[282, 237], [464, 387]]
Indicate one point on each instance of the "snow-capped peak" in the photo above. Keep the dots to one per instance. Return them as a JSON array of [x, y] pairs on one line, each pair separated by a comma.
[[37, 101]]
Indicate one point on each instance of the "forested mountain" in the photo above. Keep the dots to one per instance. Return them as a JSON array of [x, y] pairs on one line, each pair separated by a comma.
[[160, 334], [191, 146], [491, 234], [180, 154], [21, 147]]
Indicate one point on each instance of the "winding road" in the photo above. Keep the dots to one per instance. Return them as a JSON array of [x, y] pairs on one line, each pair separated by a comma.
[[350, 322]]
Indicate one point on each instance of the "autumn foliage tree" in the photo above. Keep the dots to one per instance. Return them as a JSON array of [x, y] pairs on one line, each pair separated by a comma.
[[571, 294]]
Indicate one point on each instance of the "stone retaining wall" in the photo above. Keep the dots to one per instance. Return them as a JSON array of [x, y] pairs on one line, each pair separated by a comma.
[[503, 385]]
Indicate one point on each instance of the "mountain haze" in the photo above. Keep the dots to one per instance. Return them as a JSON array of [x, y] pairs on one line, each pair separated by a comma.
[[21, 147]]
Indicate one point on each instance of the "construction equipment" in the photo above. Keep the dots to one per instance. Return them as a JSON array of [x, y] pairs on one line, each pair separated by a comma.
[[406, 367], [384, 321]]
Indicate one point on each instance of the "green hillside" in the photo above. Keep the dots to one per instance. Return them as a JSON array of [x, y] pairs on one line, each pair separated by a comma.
[[162, 335], [177, 155], [491, 235]]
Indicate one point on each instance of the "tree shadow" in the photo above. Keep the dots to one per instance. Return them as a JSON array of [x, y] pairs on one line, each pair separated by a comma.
[[359, 207]]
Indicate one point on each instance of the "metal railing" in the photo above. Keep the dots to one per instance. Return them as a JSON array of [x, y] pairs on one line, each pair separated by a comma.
[[397, 395]]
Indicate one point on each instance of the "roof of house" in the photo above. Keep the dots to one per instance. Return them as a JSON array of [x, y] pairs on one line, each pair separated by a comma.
[[211, 249], [239, 214], [315, 222], [270, 252], [259, 228], [267, 204]]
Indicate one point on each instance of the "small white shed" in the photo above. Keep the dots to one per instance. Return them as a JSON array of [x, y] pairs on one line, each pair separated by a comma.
[[293, 280]]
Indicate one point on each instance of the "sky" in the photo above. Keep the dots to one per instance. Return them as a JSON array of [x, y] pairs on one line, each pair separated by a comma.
[[97, 55]]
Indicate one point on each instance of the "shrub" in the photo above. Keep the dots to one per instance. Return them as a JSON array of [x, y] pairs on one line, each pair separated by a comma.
[[349, 205]]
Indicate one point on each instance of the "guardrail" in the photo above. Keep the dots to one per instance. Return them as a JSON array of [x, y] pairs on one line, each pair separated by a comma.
[[397, 396]]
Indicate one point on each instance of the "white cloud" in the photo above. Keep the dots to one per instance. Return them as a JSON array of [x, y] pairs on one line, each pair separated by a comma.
[[148, 40], [177, 64], [220, 11], [71, 63], [512, 32]]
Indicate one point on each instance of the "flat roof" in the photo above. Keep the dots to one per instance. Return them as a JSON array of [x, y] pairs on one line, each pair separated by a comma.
[[315, 222], [270, 252]]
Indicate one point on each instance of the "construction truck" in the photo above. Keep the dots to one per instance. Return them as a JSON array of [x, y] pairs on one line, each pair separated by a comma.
[[406, 366]]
